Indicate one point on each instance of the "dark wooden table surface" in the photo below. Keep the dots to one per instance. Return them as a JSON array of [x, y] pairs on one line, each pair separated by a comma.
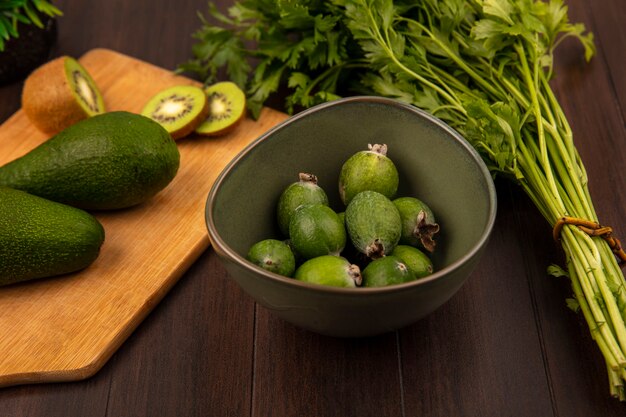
[[505, 345]]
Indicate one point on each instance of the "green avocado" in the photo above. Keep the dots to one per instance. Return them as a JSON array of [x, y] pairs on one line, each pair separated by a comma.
[[109, 161], [40, 238]]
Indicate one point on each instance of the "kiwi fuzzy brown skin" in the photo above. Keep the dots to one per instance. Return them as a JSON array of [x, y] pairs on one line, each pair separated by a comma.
[[184, 129], [47, 98]]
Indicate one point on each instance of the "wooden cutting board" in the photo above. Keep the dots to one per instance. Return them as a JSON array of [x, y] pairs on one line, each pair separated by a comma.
[[66, 328]]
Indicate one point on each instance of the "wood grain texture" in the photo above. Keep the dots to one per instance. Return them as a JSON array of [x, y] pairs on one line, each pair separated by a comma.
[[65, 328], [193, 363], [505, 346], [299, 373], [480, 354]]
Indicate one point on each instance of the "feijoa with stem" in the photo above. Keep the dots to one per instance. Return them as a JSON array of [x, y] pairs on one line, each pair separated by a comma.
[[388, 270], [316, 230], [330, 270], [304, 191], [368, 170], [274, 256], [373, 224], [416, 260], [419, 226]]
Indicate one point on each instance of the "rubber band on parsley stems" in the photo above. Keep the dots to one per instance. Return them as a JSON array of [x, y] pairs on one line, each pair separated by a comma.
[[592, 229], [482, 66]]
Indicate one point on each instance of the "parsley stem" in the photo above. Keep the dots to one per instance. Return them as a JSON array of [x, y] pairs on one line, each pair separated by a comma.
[[384, 44], [572, 238], [537, 181], [333, 70], [591, 322], [532, 88], [461, 63], [566, 135]]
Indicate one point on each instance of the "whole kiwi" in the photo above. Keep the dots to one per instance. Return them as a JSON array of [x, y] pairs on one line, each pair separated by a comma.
[[60, 93]]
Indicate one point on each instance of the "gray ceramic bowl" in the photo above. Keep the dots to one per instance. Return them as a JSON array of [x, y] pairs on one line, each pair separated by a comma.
[[435, 164]]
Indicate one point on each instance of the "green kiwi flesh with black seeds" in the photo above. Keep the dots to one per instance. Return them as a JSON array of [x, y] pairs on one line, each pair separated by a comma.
[[179, 109], [227, 107]]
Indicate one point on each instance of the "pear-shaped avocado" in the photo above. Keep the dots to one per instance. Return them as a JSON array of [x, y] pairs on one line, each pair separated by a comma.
[[109, 161], [40, 238]]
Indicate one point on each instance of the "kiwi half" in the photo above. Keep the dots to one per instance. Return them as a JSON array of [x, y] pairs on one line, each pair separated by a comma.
[[227, 107], [179, 109], [60, 93]]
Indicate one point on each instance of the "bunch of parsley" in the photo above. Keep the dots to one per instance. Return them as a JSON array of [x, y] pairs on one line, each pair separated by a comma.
[[303, 43], [482, 66]]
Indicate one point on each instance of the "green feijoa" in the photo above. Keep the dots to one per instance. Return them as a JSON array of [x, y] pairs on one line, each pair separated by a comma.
[[273, 255], [349, 251], [368, 170], [316, 230], [330, 270], [388, 270], [342, 216], [305, 191], [414, 259], [299, 258], [373, 224], [418, 223]]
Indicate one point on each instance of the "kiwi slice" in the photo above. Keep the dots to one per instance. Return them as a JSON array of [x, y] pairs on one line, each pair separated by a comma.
[[227, 107], [60, 93], [179, 109]]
